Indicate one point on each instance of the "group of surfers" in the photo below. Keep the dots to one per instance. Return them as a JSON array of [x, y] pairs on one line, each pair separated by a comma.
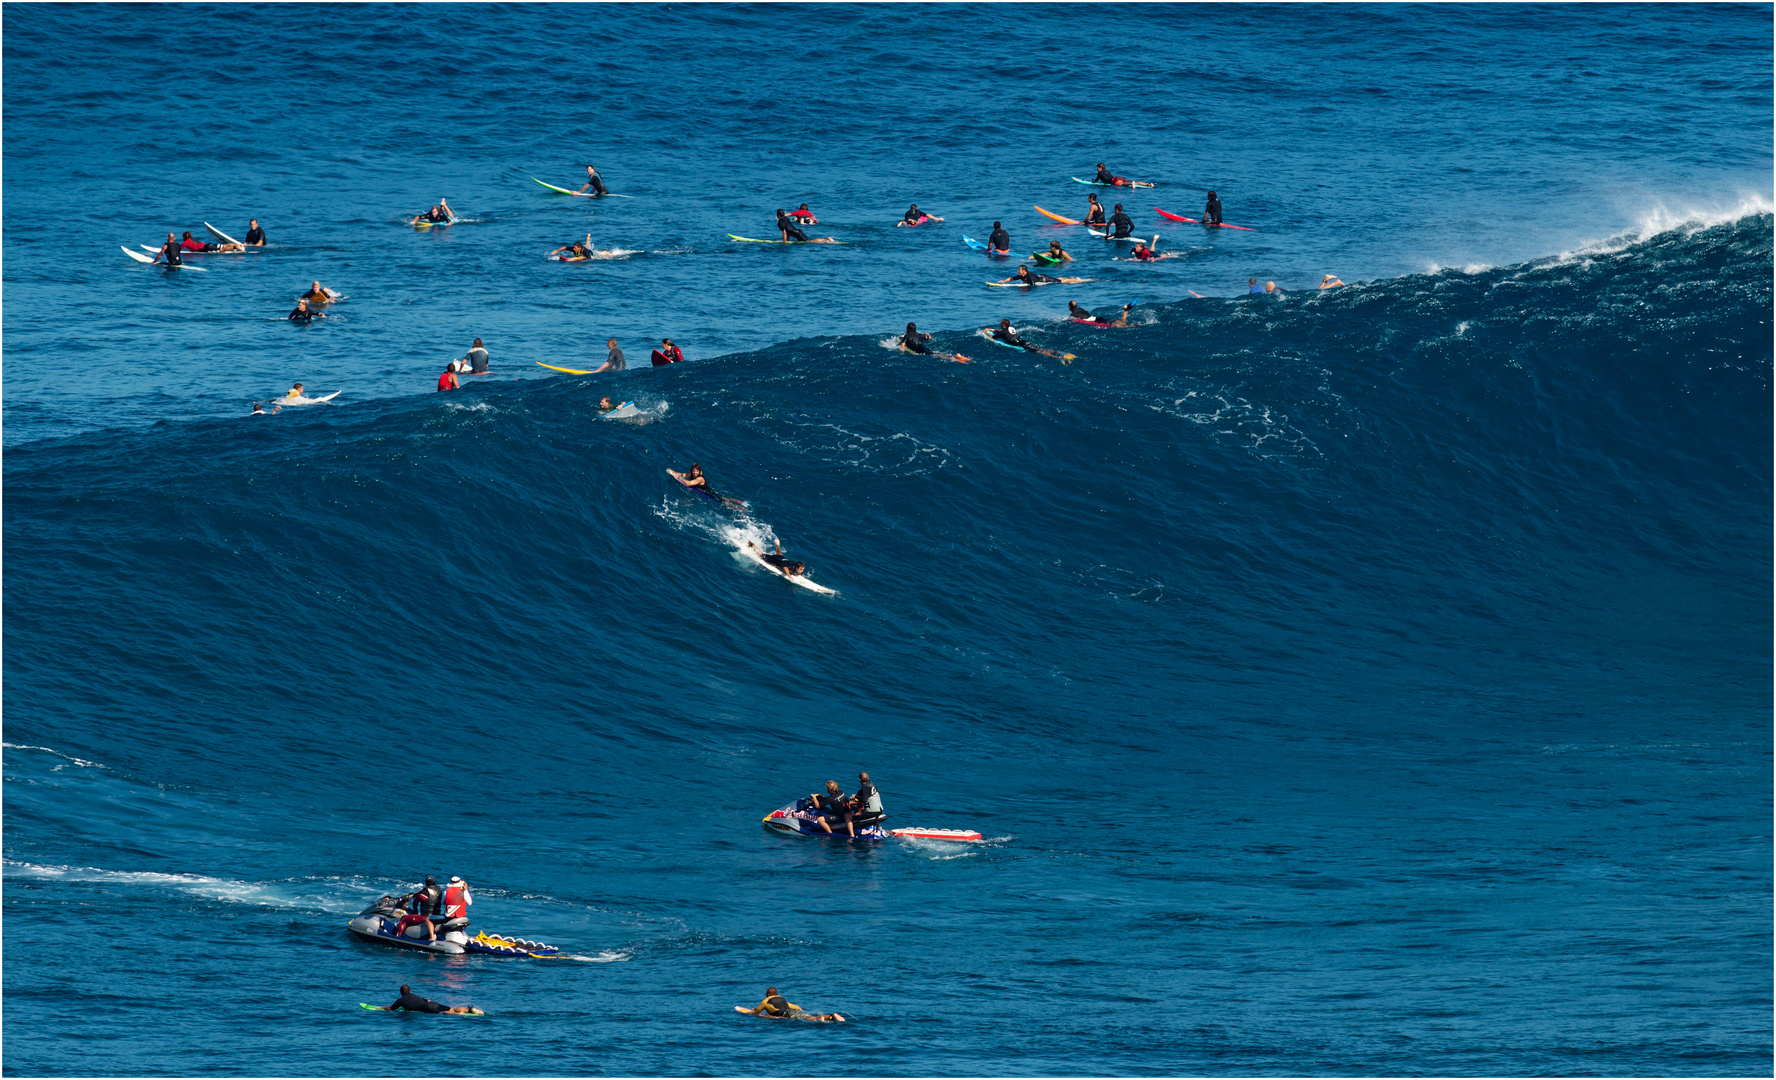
[[175, 249], [694, 479], [773, 1007]]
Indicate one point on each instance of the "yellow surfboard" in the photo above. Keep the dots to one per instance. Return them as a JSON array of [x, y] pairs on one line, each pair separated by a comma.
[[570, 371]]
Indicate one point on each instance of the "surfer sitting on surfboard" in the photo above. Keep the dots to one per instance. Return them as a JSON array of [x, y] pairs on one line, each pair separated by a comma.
[[595, 182], [1212, 211], [170, 252], [774, 1007], [915, 216], [255, 235], [304, 316], [1122, 223], [999, 243], [1053, 256], [1094, 211]]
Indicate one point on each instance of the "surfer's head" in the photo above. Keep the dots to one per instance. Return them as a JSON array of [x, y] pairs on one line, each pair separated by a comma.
[[770, 991], [1005, 324], [912, 328], [405, 989], [695, 470], [832, 786], [798, 569], [863, 777], [1119, 208], [477, 343]]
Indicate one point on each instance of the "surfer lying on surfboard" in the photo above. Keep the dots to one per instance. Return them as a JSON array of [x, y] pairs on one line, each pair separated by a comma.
[[1144, 252], [914, 340], [1006, 334], [774, 1007], [1105, 177], [804, 215], [318, 294], [412, 1002], [575, 252], [1026, 276], [437, 215], [915, 216], [193, 244], [694, 479]]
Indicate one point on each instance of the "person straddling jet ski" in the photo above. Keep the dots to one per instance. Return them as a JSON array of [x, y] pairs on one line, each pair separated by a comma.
[[835, 806]]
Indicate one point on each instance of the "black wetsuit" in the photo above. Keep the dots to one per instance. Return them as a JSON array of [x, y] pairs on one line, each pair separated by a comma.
[[1105, 176], [913, 217], [301, 316], [1010, 338], [775, 1005], [1212, 212], [256, 235], [430, 901], [1125, 225], [1096, 215], [414, 1003], [1082, 313], [436, 215], [915, 342], [1000, 240], [597, 183], [788, 225], [170, 252]]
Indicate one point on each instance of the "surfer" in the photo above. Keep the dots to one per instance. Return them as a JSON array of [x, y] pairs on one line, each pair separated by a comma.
[[579, 249], [255, 235], [667, 353], [170, 252], [302, 315], [775, 1007], [412, 1002], [317, 295], [1212, 210], [1080, 314], [259, 410], [191, 243], [915, 216], [1252, 286], [1053, 256], [295, 393], [1105, 177], [1123, 318], [1094, 213], [448, 380], [1004, 332], [595, 182], [604, 406], [787, 227], [434, 216], [613, 362], [1144, 253], [999, 242], [1330, 281], [788, 568], [913, 340], [1122, 223], [1271, 287], [477, 358], [804, 215], [1026, 276]]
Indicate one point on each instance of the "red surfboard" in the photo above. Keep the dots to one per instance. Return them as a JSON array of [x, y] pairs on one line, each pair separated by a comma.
[[1171, 217], [1193, 221]]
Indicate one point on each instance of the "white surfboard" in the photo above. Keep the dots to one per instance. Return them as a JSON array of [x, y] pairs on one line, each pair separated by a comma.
[[756, 556], [623, 411], [141, 258], [220, 235], [288, 400]]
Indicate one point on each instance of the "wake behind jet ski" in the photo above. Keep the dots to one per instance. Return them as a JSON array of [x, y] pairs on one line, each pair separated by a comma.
[[404, 922]]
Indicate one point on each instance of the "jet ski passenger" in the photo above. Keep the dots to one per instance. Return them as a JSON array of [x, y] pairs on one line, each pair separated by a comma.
[[457, 899], [834, 806], [775, 1007], [412, 1002], [867, 800]]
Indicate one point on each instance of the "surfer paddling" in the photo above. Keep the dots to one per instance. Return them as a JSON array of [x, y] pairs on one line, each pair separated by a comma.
[[775, 1007], [694, 479], [804, 215], [1006, 334], [317, 294], [914, 216], [412, 1002], [578, 251], [440, 214], [1144, 253], [1026, 276], [302, 316], [914, 341]]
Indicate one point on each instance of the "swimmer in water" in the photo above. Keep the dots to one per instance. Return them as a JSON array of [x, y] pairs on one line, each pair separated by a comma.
[[775, 1007], [411, 1002], [594, 182], [302, 316]]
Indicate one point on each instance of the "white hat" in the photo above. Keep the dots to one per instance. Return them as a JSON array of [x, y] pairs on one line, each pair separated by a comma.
[[454, 880]]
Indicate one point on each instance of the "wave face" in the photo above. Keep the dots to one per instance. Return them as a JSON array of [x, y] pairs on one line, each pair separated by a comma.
[[1393, 659]]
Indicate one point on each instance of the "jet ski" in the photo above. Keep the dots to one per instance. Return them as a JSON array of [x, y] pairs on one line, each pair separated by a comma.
[[377, 923], [800, 818]]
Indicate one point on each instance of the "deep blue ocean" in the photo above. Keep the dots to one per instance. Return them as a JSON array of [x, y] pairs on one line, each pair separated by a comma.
[[1364, 681]]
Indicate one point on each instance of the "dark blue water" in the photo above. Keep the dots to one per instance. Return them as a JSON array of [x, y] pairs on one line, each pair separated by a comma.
[[1371, 681]]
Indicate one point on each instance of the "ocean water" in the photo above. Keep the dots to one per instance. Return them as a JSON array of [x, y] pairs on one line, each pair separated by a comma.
[[1369, 681]]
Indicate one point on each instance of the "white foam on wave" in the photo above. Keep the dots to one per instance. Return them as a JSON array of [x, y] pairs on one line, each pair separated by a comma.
[[82, 762], [1660, 218], [324, 896], [608, 956]]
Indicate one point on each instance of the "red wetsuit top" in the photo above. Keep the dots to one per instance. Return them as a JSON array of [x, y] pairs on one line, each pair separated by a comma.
[[191, 245], [1144, 253], [802, 215], [444, 381]]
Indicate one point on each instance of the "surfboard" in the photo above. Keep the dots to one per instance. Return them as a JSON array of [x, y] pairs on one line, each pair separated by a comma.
[[220, 235], [1033, 284], [977, 245], [1194, 221], [1173, 217], [570, 371], [570, 258], [750, 240], [1131, 237], [936, 834], [385, 1008], [584, 194], [623, 411], [141, 258], [1056, 217], [1099, 183], [288, 400], [756, 556]]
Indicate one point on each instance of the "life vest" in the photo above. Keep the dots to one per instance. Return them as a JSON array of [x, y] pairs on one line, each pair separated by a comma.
[[457, 901], [874, 805]]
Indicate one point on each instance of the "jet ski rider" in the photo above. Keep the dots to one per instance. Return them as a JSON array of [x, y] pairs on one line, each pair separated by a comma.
[[421, 907]]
